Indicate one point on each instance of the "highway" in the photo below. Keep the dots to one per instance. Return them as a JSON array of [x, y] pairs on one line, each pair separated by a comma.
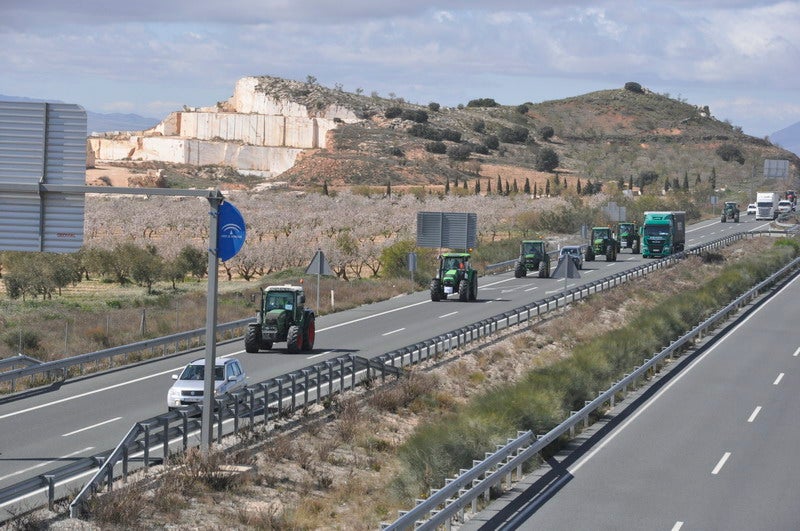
[[712, 448], [43, 429]]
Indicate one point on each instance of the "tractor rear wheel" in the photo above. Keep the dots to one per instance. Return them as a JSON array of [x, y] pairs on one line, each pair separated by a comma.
[[436, 290], [252, 339], [473, 293], [589, 254], [294, 341], [310, 332], [463, 290], [520, 270], [544, 269]]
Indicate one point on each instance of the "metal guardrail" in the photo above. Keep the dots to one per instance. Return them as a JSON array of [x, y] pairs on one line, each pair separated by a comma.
[[287, 393], [449, 502], [60, 369], [18, 360]]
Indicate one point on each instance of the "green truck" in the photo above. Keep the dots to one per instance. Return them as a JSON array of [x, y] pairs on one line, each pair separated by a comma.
[[663, 233]]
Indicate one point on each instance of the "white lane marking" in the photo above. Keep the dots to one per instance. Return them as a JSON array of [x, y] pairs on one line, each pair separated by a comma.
[[393, 332], [755, 413], [721, 463], [34, 467], [796, 352], [677, 526], [320, 354], [109, 421], [606, 440], [611, 265], [537, 287], [447, 315], [778, 379]]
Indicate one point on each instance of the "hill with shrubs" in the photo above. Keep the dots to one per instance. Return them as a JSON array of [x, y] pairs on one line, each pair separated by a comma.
[[630, 136]]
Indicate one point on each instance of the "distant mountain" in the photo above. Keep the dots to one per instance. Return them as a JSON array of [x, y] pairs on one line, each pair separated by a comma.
[[788, 138], [99, 123]]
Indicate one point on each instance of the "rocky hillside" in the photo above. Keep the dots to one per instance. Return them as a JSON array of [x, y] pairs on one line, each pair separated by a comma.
[[606, 135]]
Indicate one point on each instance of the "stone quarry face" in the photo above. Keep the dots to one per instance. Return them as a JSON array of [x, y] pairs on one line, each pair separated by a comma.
[[258, 132]]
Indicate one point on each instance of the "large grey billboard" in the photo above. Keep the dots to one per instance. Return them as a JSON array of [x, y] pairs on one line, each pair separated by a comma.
[[450, 230], [41, 144]]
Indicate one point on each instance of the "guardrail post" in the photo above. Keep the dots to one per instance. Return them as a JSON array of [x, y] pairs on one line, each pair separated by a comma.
[[165, 424], [236, 403], [279, 381], [251, 395], [293, 377], [51, 491], [146, 455], [353, 370], [265, 386], [219, 420], [306, 372], [341, 374]]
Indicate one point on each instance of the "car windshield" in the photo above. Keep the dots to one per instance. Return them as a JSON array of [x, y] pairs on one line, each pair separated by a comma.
[[197, 372]]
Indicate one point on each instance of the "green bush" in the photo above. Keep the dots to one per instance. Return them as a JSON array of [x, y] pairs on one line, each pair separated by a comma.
[[433, 106], [730, 153], [393, 112], [632, 86], [482, 102], [547, 160], [546, 133], [438, 147], [459, 152]]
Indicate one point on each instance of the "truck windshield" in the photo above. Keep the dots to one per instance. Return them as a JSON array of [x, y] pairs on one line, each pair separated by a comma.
[[765, 205], [656, 230]]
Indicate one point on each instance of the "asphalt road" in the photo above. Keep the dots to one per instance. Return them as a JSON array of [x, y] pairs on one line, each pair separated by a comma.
[[713, 448], [46, 428]]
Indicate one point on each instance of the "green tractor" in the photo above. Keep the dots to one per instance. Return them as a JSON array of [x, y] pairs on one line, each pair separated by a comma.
[[533, 257], [455, 275], [602, 242], [628, 237], [282, 317], [730, 212]]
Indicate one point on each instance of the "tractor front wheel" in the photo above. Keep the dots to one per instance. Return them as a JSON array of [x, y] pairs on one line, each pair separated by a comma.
[[252, 339], [463, 290], [310, 333], [294, 341], [436, 290]]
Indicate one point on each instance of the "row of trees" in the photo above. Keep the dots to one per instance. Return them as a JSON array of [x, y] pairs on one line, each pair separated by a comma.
[[43, 274]]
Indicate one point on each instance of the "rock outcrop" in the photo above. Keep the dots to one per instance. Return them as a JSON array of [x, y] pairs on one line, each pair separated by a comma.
[[260, 130]]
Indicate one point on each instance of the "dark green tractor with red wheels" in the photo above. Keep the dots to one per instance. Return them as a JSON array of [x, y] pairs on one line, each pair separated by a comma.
[[455, 275], [533, 257], [282, 317], [602, 242]]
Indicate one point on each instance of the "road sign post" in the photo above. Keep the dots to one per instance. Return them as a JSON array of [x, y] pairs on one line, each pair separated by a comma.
[[318, 266]]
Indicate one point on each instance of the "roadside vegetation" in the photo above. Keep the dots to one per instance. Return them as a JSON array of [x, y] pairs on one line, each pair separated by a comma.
[[367, 455]]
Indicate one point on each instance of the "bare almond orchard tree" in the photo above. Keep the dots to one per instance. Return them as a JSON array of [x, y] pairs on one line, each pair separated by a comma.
[[285, 229]]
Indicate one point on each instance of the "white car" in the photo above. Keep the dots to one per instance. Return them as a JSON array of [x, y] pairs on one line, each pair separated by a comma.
[[752, 209], [188, 387], [784, 206]]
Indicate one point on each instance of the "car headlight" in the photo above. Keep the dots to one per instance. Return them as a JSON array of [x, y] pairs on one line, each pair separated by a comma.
[[173, 395]]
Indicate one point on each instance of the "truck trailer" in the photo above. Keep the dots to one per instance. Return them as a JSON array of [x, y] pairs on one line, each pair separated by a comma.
[[663, 233], [767, 205]]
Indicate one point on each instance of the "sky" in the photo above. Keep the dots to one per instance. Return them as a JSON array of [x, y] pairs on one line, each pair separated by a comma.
[[148, 57]]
